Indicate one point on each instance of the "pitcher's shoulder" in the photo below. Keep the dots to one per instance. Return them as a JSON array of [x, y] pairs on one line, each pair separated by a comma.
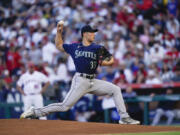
[[94, 45]]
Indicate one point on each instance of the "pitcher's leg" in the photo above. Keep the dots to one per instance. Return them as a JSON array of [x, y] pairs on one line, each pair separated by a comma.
[[76, 92], [106, 88]]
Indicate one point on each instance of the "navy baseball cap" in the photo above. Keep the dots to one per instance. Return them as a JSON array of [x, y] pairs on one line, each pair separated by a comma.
[[87, 28]]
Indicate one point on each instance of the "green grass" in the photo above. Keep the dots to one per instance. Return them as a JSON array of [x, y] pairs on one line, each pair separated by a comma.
[[155, 133]]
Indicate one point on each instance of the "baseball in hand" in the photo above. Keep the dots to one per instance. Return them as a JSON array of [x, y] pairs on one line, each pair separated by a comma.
[[61, 22]]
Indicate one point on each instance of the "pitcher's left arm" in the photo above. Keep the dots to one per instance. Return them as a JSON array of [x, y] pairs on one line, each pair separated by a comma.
[[104, 57]]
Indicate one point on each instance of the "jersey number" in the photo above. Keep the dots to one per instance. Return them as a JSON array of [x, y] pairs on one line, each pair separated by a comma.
[[93, 64]]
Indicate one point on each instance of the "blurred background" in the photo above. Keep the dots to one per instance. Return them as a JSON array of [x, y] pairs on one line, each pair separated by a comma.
[[142, 35]]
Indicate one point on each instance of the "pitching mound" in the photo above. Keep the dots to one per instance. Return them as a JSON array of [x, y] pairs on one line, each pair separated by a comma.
[[59, 127]]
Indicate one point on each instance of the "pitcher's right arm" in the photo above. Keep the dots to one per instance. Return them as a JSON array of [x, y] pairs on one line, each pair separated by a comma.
[[58, 38]]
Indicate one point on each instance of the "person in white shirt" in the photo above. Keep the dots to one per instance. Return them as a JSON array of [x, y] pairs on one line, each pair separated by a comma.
[[157, 53], [35, 54], [30, 86], [49, 51], [62, 71], [152, 78]]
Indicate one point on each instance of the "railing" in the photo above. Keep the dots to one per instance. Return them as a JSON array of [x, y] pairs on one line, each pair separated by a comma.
[[151, 86]]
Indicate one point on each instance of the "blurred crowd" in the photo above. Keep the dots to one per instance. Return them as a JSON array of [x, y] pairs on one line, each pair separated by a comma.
[[142, 35]]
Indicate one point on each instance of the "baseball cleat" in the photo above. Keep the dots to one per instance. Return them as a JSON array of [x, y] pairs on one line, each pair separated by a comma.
[[129, 120], [28, 114]]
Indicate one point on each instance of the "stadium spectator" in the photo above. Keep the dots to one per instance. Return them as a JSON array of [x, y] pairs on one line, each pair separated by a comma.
[[3, 90], [98, 112], [62, 72], [157, 53], [35, 54], [172, 7], [6, 77], [2, 66], [153, 78], [123, 75], [83, 112], [110, 74], [3, 51], [49, 51], [141, 74], [176, 77], [166, 73]]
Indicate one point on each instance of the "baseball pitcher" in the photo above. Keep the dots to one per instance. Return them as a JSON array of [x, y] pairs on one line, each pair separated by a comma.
[[86, 56]]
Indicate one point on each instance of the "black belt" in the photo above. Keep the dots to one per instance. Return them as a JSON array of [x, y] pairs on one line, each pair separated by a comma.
[[87, 76]]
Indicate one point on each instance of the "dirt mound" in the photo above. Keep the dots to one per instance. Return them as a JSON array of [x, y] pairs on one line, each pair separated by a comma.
[[59, 127]]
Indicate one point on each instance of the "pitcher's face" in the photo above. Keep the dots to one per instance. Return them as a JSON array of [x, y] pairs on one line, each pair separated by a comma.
[[90, 36]]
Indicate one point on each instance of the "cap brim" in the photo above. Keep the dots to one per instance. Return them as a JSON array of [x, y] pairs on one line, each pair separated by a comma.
[[95, 30], [92, 31]]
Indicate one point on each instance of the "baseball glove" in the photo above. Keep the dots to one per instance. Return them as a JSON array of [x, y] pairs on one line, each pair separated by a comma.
[[103, 54]]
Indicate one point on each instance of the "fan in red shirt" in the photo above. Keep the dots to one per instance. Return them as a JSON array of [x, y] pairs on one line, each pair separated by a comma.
[[140, 74], [172, 54], [146, 4], [13, 59], [126, 17], [7, 77]]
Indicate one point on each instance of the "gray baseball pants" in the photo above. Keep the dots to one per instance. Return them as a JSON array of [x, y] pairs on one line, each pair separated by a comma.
[[79, 87]]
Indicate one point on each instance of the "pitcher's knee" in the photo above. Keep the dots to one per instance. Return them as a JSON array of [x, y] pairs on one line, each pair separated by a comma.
[[66, 108], [116, 89], [63, 108]]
